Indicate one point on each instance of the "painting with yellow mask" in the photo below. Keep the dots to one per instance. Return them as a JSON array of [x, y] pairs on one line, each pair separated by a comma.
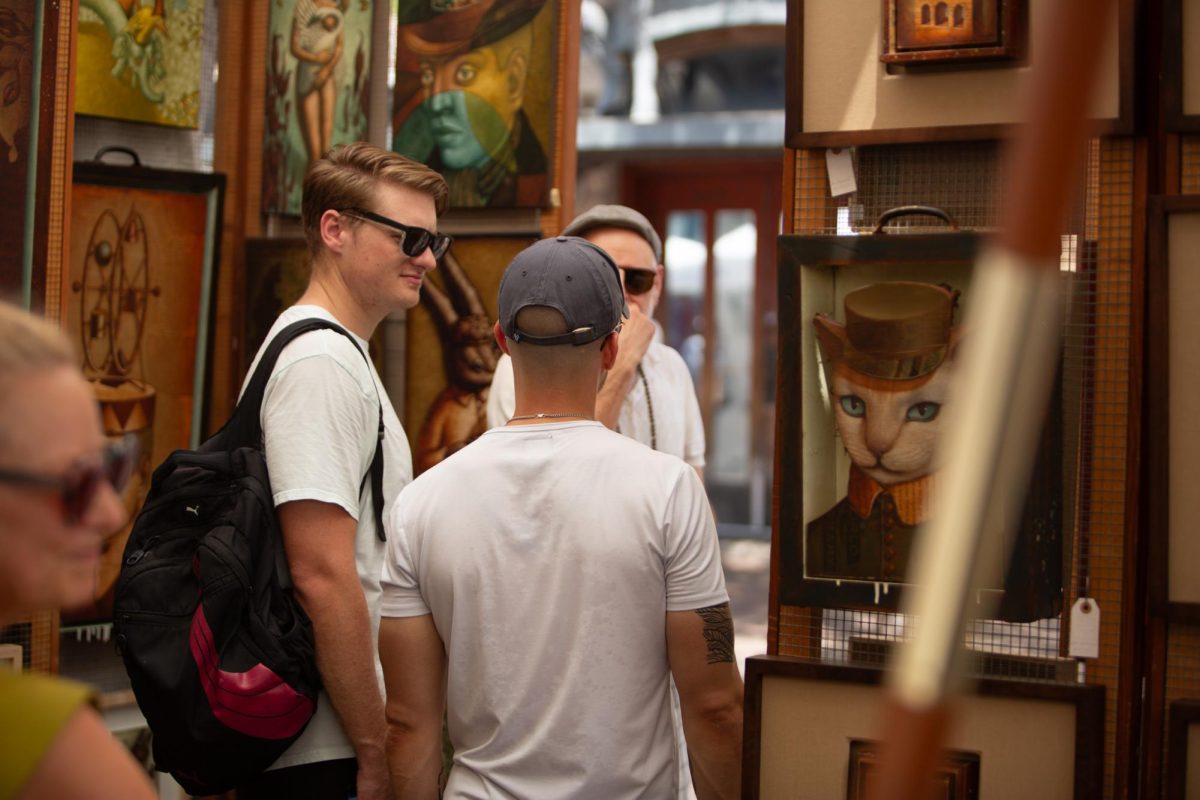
[[139, 60]]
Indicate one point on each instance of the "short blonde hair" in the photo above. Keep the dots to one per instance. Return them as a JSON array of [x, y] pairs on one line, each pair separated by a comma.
[[347, 175], [30, 343]]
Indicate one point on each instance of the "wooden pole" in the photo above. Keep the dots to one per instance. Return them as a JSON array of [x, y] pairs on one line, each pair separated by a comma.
[[1000, 395]]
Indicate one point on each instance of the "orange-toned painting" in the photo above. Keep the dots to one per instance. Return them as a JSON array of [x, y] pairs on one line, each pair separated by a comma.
[[138, 303], [451, 350]]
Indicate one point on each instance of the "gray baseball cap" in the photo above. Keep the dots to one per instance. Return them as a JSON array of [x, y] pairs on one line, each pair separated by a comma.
[[568, 274], [609, 216]]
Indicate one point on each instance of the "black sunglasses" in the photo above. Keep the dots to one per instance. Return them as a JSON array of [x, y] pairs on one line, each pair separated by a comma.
[[79, 484], [414, 241], [638, 281]]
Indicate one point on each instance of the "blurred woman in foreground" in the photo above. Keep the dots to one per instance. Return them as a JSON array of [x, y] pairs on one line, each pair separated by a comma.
[[58, 498]]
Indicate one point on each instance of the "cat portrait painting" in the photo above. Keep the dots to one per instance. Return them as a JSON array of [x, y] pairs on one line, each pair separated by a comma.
[[890, 366], [878, 365]]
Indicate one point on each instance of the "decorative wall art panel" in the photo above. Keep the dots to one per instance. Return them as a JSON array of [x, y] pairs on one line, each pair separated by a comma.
[[138, 303], [452, 351], [953, 31], [17, 107], [317, 92], [870, 338], [474, 96], [139, 60]]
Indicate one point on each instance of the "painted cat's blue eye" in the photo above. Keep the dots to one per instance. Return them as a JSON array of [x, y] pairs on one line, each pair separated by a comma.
[[853, 405], [923, 412]]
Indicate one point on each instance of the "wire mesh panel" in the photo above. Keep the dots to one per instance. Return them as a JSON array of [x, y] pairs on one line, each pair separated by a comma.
[[964, 179], [1189, 165]]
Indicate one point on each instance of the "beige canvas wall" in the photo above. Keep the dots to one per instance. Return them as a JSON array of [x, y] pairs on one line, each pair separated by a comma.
[[807, 726], [846, 87]]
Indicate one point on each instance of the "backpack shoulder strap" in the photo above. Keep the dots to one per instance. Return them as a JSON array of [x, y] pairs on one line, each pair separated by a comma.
[[245, 426]]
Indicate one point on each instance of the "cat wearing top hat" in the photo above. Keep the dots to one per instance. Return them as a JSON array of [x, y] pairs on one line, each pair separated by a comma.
[[889, 368]]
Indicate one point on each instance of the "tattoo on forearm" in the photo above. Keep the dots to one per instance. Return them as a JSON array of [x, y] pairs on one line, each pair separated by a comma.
[[718, 633]]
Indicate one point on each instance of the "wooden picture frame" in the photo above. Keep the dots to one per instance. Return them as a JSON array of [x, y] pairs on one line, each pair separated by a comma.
[[138, 299], [927, 32], [957, 774], [815, 273], [835, 101], [1174, 228], [1181, 66], [459, 133], [1182, 716], [855, 697], [451, 350]]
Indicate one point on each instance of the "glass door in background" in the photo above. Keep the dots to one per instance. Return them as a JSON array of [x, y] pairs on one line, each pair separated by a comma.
[[720, 221]]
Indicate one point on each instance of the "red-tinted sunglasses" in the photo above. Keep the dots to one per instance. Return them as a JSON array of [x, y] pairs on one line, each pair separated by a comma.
[[79, 484]]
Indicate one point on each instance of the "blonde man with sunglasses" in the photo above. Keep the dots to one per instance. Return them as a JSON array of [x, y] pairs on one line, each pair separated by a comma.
[[648, 394], [370, 218]]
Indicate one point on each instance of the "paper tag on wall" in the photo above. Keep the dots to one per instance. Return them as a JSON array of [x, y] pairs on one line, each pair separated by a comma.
[[1085, 629], [841, 171]]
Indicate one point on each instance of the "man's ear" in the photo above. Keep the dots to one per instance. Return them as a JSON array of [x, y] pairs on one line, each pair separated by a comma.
[[501, 339], [333, 230], [608, 351]]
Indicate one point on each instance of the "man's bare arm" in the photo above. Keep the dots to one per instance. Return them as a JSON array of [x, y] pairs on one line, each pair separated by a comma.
[[319, 541], [700, 648], [414, 671]]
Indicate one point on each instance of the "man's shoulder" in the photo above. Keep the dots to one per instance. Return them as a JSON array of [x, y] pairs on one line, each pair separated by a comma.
[[327, 346]]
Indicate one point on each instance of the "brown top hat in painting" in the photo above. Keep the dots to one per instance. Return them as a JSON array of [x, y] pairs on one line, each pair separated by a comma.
[[446, 27], [896, 330]]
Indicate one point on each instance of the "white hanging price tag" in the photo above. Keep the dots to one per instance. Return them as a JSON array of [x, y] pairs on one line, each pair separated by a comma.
[[841, 171], [1085, 629]]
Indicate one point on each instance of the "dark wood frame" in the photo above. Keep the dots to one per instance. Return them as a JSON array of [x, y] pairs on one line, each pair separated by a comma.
[[1013, 37], [1158, 433], [954, 251], [1172, 47], [1182, 715], [1088, 701], [795, 136]]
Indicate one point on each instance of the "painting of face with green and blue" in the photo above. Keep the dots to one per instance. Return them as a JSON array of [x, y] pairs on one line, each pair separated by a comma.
[[139, 60], [473, 96], [317, 92]]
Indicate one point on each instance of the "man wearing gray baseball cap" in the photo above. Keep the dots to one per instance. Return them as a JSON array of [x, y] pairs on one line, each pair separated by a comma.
[[648, 394], [544, 583]]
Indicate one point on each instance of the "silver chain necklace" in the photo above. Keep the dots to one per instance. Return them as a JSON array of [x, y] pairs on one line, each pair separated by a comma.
[[545, 415]]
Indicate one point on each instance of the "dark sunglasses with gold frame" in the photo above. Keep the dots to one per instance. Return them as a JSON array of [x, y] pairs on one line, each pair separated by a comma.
[[413, 240], [77, 486]]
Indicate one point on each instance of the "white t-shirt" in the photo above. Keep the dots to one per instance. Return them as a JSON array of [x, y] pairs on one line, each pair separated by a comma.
[[548, 556], [320, 417], [678, 426]]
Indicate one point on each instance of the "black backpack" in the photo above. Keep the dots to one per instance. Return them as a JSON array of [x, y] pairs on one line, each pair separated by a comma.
[[219, 653]]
